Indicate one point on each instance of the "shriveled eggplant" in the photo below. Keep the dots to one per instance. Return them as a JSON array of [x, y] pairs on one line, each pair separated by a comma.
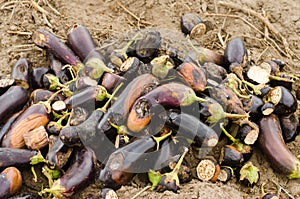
[[8, 123], [193, 75], [214, 71], [191, 23], [236, 56], [230, 156], [226, 174], [12, 101], [161, 66], [11, 181], [36, 138], [147, 46], [192, 128], [33, 117], [272, 145], [123, 163]]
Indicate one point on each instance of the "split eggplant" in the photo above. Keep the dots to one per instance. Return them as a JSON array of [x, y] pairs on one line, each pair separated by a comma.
[[272, 145]]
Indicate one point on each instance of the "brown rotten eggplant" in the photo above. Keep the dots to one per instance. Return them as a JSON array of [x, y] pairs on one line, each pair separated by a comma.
[[76, 176], [119, 110], [21, 72], [285, 102], [277, 153], [193, 75], [11, 181], [33, 117], [8, 124], [15, 157], [48, 41], [12, 101], [171, 95]]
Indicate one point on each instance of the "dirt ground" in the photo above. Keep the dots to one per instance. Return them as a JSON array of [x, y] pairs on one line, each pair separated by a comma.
[[110, 19]]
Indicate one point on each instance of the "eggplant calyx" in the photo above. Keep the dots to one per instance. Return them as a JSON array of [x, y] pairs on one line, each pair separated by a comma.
[[56, 190], [296, 172], [154, 178], [112, 96]]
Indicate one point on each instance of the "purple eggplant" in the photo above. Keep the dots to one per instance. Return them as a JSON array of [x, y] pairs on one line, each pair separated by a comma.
[[77, 175], [171, 95], [49, 41], [57, 67], [11, 182], [15, 157], [188, 22], [37, 77], [273, 147], [12, 101], [21, 72], [289, 125]]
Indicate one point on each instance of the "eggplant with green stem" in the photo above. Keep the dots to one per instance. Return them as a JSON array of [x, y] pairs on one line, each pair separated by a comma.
[[172, 95], [12, 101], [119, 110], [76, 176], [275, 150], [167, 181], [15, 157]]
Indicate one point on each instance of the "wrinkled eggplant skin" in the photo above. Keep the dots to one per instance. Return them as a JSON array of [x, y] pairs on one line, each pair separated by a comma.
[[273, 147], [147, 47], [5, 128], [289, 126], [123, 163], [15, 157], [21, 72], [231, 156], [34, 116], [193, 76], [58, 154], [214, 71], [71, 135], [12, 101]]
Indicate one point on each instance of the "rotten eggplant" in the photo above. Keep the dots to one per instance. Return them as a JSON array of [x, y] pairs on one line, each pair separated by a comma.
[[21, 72], [193, 75], [208, 169], [11, 181], [33, 117], [289, 125], [171, 95]]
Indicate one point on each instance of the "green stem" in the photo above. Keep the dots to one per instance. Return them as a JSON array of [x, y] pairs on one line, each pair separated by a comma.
[[34, 174], [273, 77], [104, 108], [161, 138], [179, 163], [199, 99], [256, 88], [125, 48], [48, 102], [231, 138]]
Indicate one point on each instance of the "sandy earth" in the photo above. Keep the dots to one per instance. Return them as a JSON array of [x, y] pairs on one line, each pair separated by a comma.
[[108, 20]]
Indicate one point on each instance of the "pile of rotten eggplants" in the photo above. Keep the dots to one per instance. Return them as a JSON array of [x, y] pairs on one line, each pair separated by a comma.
[[93, 117]]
